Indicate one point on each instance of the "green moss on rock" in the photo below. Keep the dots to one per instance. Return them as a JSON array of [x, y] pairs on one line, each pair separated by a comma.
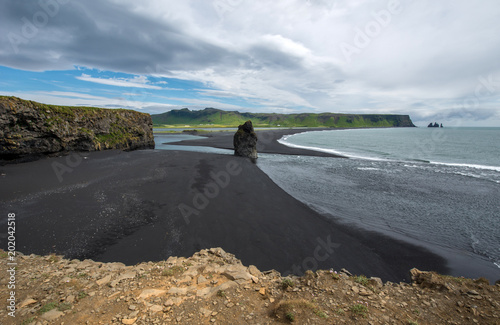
[[41, 129]]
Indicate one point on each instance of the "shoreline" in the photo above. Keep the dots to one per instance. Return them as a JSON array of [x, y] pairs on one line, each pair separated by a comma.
[[267, 143], [460, 263], [124, 206]]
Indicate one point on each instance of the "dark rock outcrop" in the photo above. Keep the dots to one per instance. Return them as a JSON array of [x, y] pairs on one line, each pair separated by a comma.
[[30, 130], [435, 125], [245, 141]]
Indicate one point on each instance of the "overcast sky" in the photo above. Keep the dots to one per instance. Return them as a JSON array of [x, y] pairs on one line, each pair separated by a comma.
[[434, 60]]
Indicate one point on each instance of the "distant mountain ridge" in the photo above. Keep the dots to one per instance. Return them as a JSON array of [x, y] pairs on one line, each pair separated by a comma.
[[214, 116]]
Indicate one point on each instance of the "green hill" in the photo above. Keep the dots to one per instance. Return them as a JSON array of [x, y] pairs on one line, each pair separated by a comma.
[[217, 117]]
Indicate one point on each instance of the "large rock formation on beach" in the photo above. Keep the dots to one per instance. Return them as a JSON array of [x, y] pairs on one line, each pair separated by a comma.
[[30, 130], [245, 141]]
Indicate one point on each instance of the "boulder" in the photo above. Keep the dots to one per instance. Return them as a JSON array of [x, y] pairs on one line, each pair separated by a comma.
[[430, 280], [245, 141]]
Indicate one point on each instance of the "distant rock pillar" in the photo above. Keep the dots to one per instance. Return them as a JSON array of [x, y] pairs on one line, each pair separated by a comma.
[[245, 141]]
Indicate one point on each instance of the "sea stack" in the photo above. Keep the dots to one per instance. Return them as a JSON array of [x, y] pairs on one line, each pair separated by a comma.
[[245, 141]]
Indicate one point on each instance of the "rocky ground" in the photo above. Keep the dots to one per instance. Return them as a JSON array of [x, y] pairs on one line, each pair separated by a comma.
[[213, 287]]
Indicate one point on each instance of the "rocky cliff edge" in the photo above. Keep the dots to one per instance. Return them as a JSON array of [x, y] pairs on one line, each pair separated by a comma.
[[30, 130], [214, 287]]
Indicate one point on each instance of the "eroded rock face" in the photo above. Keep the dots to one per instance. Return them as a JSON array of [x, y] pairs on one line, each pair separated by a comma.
[[29, 130], [245, 141]]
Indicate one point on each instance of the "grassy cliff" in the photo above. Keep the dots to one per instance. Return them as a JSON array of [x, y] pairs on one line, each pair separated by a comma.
[[29, 129], [216, 117]]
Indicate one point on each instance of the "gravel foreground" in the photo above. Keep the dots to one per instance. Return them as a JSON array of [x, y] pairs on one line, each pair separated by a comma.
[[213, 287]]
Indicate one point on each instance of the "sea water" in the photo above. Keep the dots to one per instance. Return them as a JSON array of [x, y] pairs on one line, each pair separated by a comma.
[[438, 186]]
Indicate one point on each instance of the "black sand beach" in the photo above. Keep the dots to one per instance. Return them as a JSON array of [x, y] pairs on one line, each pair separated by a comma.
[[151, 204], [267, 143]]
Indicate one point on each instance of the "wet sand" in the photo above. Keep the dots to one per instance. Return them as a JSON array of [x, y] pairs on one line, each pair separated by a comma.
[[151, 204]]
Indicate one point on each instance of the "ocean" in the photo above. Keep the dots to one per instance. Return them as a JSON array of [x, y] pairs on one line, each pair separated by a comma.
[[438, 187]]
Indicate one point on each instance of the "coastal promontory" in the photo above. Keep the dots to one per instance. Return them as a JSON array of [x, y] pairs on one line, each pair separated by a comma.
[[215, 117], [30, 130]]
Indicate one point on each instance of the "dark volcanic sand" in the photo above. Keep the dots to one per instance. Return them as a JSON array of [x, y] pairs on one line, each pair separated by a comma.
[[124, 206], [267, 142]]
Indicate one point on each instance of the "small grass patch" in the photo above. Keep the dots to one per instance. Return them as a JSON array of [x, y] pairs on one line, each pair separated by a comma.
[[173, 271], [410, 322], [286, 283], [340, 311], [221, 293], [359, 309], [64, 306], [320, 313], [3, 254], [81, 295], [361, 279], [52, 305], [28, 321], [290, 317], [47, 307], [335, 276], [296, 308], [455, 279]]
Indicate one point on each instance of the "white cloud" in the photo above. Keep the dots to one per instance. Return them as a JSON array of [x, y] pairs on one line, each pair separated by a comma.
[[136, 82], [81, 99], [280, 54]]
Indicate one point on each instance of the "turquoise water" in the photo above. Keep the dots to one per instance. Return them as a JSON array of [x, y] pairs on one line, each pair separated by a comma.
[[438, 187]]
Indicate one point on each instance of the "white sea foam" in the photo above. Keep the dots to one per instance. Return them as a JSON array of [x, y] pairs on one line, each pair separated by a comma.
[[428, 202], [331, 151], [286, 141], [494, 168], [368, 168]]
